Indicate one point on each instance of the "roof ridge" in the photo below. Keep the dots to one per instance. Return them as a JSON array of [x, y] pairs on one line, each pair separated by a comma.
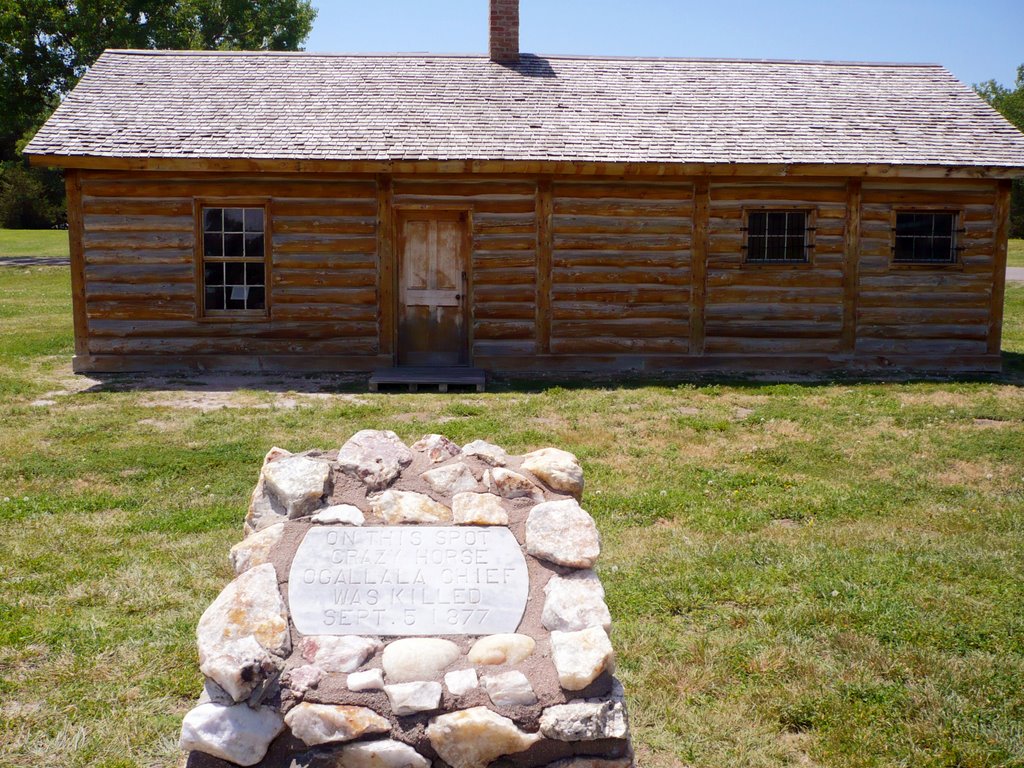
[[560, 57]]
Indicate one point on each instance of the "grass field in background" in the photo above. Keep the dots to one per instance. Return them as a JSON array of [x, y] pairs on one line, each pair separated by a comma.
[[800, 574], [1015, 255], [34, 242]]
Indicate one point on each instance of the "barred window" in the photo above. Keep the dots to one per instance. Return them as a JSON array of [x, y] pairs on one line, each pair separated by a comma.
[[777, 237], [925, 238], [234, 273]]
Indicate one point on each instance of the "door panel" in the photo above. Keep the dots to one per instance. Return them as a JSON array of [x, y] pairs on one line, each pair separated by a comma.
[[432, 284]]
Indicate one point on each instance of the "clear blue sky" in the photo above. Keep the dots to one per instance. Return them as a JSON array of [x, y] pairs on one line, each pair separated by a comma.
[[976, 39]]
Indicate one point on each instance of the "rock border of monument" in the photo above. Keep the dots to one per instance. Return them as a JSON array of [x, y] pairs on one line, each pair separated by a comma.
[[542, 693]]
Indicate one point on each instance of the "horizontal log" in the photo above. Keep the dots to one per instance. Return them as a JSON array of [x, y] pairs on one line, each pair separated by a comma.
[[329, 207], [600, 275], [334, 278], [136, 206], [620, 294], [308, 243], [920, 315], [931, 298], [324, 261], [773, 294], [952, 198], [504, 329], [324, 295], [606, 208], [614, 345], [478, 205], [138, 240], [323, 225], [503, 277], [757, 346], [504, 310], [621, 243], [318, 311], [518, 260], [763, 275], [923, 331], [97, 291], [239, 328], [623, 191], [133, 308], [774, 329], [138, 223], [789, 195], [621, 225], [134, 258], [524, 292], [233, 346], [215, 186], [597, 310], [942, 349], [152, 273], [520, 242], [644, 328], [616, 260], [491, 189], [745, 313]]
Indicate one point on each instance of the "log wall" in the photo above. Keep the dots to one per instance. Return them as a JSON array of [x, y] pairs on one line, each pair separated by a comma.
[[565, 273]]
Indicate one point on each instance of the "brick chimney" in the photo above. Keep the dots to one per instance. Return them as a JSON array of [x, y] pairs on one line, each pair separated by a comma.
[[505, 31]]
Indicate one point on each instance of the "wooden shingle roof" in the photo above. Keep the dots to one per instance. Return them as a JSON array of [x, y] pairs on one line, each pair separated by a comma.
[[313, 107]]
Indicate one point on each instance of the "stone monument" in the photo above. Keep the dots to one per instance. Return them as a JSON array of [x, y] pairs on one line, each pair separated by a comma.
[[400, 607]]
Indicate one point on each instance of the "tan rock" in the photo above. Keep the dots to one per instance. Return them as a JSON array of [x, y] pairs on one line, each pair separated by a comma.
[[511, 485], [418, 658], [502, 649], [486, 452], [338, 653], [450, 479], [581, 657], [264, 509], [562, 532], [585, 721], [301, 679], [324, 723], [559, 470], [367, 680], [376, 457], [575, 602], [239, 734], [255, 549], [411, 698], [509, 689], [298, 483], [398, 507], [478, 509], [339, 514], [473, 738], [249, 612], [437, 447], [383, 753]]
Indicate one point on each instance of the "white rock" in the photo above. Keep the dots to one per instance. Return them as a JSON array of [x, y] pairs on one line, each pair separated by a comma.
[[511, 485], [301, 679], [486, 452], [473, 738], [323, 723], [216, 694], [585, 721], [437, 447], [575, 602], [478, 509], [376, 457], [418, 658], [368, 680], [408, 507], [239, 666], [339, 514], [410, 698], [249, 611], [581, 657], [264, 509], [509, 689], [298, 482], [461, 681], [560, 470], [501, 649], [238, 734], [338, 653], [255, 549], [562, 532], [381, 754], [450, 479]]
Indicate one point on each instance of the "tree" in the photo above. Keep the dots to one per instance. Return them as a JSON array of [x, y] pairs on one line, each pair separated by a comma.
[[47, 45], [1010, 103]]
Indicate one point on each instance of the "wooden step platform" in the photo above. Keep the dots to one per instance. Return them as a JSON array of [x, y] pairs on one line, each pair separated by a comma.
[[442, 378]]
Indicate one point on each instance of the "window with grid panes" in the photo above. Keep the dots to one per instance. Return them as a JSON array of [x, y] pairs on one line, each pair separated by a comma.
[[925, 238], [776, 237], [234, 276]]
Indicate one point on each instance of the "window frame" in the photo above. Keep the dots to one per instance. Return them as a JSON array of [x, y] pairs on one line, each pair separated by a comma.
[[957, 213], [810, 227], [231, 315]]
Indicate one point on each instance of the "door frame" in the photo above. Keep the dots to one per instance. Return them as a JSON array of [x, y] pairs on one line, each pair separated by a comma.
[[467, 243]]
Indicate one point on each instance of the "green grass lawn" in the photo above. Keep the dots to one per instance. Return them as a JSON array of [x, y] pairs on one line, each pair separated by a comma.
[[801, 574], [34, 242], [1015, 256]]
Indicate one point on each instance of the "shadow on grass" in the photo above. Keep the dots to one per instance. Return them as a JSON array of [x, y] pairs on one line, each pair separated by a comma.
[[328, 383]]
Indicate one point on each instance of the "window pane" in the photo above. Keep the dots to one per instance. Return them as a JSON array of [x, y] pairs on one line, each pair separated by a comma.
[[235, 297], [213, 245], [233, 245], [757, 223], [257, 298], [254, 246], [794, 249], [755, 248], [212, 220], [942, 249], [234, 273], [797, 222], [232, 219], [214, 298], [943, 225], [777, 224], [254, 220], [904, 249], [254, 274], [213, 274]]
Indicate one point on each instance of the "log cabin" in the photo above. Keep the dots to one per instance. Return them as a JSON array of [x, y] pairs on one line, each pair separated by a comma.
[[530, 214]]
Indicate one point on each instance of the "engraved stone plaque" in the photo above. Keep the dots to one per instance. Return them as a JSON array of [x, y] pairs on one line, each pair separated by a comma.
[[408, 581]]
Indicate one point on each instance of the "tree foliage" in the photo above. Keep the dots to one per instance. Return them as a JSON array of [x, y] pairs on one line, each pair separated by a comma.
[[47, 45], [1010, 104]]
